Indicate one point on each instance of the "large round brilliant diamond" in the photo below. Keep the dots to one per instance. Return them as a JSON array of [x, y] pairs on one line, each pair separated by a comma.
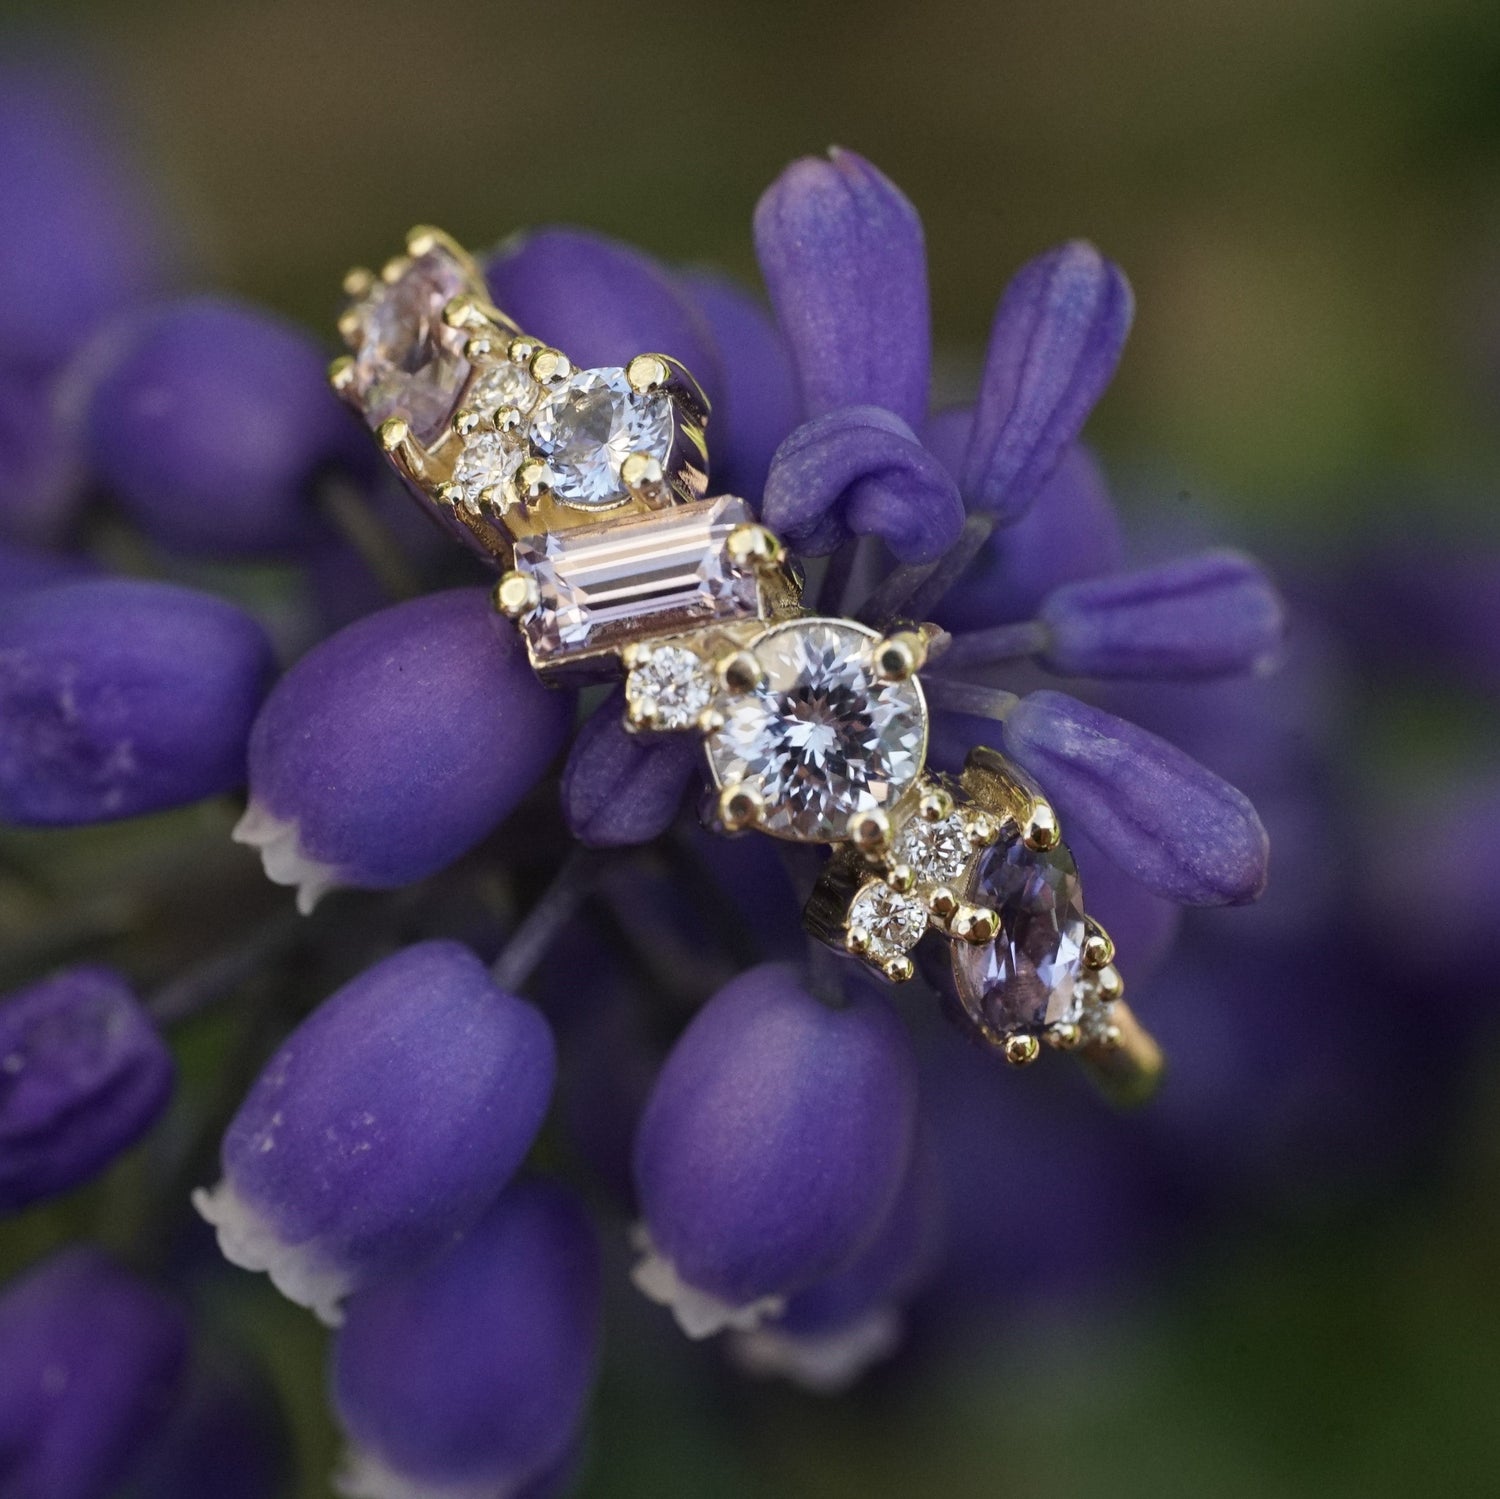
[[588, 425], [822, 737]]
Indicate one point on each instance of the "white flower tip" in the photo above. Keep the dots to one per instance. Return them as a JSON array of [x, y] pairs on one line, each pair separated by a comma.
[[699, 1314], [826, 1365], [247, 1239], [280, 846], [362, 1475]]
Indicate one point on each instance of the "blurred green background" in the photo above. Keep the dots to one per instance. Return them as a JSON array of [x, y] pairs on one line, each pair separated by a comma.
[[1306, 196]]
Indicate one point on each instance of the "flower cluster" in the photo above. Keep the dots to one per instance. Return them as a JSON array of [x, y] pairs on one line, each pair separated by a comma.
[[801, 1166]]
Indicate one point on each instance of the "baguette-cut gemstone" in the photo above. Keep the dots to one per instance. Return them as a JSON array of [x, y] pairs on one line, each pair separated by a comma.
[[600, 587]]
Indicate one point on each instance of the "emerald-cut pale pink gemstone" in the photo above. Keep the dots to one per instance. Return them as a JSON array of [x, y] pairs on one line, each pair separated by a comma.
[[409, 362], [600, 587]]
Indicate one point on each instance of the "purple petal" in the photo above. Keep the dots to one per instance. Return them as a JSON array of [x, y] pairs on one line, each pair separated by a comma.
[[385, 1123], [93, 1360], [396, 745], [1172, 825], [84, 1076], [24, 567], [1213, 615], [1072, 531], [120, 697], [471, 1374], [601, 302], [774, 1144], [211, 424], [861, 471], [81, 241], [757, 401], [620, 788], [1057, 337], [842, 253]]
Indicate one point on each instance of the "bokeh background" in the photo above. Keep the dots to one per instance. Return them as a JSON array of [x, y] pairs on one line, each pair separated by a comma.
[[1306, 196]]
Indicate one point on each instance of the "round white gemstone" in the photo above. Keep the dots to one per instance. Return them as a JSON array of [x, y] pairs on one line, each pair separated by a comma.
[[822, 737], [486, 463], [675, 681], [588, 425], [937, 852], [502, 385], [893, 922]]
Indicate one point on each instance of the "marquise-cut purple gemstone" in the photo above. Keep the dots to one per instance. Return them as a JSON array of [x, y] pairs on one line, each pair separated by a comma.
[[1026, 980]]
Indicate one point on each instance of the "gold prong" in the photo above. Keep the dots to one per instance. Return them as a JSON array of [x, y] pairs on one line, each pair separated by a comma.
[[393, 433], [480, 349], [522, 350], [935, 805], [942, 902], [982, 829], [1065, 1037], [640, 470], [395, 268], [637, 653], [870, 832], [548, 366], [531, 478], [857, 940], [1098, 949], [341, 374], [901, 878], [976, 924], [754, 548], [450, 493], [740, 807], [1112, 1037], [507, 418], [1041, 831], [351, 327], [458, 312], [739, 672], [900, 656], [647, 372], [516, 594], [709, 721], [493, 497], [641, 713], [421, 239], [1109, 983], [898, 968], [1021, 1051], [466, 420], [357, 281]]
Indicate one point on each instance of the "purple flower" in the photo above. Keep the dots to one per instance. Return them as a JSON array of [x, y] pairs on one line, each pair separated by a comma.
[[83, 1075], [396, 745], [773, 1146], [1174, 826], [93, 1358], [469, 1375], [40, 484], [24, 567], [211, 425], [387, 1122], [120, 697]]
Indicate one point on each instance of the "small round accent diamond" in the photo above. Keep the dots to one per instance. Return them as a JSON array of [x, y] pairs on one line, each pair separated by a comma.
[[587, 426], [502, 385], [893, 922], [822, 737], [487, 462], [936, 852], [674, 682]]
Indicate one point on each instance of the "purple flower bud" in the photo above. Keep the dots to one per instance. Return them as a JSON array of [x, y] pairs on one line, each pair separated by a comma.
[[387, 1122], [40, 488], [757, 401], [837, 1328], [774, 1144], [1057, 337], [396, 745], [1072, 531], [620, 788], [842, 253], [83, 1075], [861, 471], [80, 240], [1141, 925], [211, 424], [470, 1375], [119, 697], [93, 1358], [1216, 614], [1163, 818], [601, 302]]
